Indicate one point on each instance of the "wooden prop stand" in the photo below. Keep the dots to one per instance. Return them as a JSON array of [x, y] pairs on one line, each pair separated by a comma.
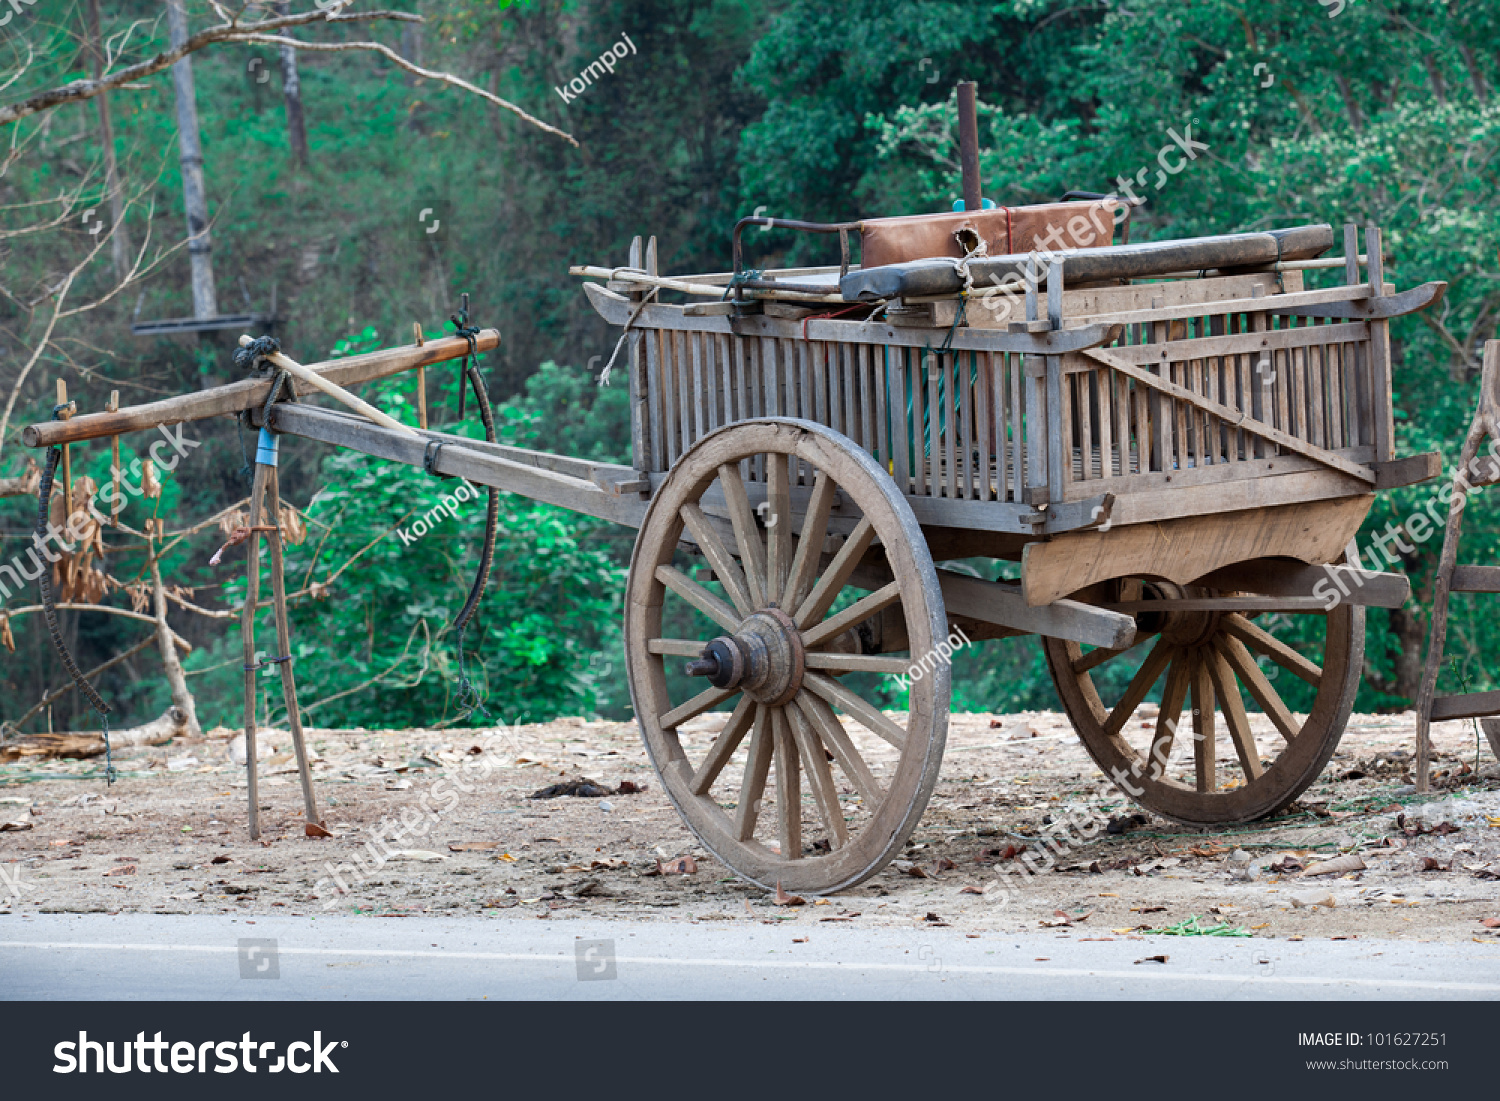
[[1452, 577], [265, 516]]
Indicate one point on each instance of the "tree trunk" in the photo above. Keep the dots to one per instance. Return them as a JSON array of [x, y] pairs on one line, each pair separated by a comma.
[[120, 243], [1476, 78], [291, 91], [1356, 120], [91, 743], [182, 699], [194, 195]]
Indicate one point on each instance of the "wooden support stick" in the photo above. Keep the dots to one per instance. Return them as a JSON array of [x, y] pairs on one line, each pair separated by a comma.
[[284, 644], [67, 459], [333, 390], [416, 331], [247, 635], [115, 502]]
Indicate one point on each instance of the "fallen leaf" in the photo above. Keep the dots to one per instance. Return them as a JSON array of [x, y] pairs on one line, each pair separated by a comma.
[[1153, 959], [18, 824], [473, 846], [943, 864], [219, 860], [970, 889], [421, 856], [1430, 864], [799, 940], [1490, 923], [316, 829], [683, 865], [629, 787], [784, 899], [123, 869], [506, 857], [934, 919]]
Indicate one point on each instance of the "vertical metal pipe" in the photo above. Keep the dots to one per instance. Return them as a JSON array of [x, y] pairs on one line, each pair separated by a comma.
[[968, 145]]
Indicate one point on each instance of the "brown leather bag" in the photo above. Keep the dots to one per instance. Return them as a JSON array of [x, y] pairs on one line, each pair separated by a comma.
[[1005, 231]]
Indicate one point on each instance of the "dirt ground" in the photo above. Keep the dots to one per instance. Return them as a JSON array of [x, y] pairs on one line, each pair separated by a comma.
[[170, 837]]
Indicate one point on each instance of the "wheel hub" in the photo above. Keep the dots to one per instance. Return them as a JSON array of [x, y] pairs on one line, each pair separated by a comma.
[[1179, 628], [765, 658]]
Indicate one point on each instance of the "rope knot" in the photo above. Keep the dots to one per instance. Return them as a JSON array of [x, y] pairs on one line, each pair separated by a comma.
[[250, 356]]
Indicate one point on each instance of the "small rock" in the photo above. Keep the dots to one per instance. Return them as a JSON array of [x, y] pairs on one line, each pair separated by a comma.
[[605, 804], [1239, 856], [1405, 789]]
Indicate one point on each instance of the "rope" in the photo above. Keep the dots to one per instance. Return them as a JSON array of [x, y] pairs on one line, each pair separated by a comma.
[[741, 277], [629, 321], [468, 696], [49, 606]]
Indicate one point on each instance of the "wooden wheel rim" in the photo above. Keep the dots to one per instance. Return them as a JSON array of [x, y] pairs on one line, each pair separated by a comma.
[[1298, 765], [861, 481]]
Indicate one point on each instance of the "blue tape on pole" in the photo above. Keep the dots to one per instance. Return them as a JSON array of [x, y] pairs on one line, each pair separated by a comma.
[[265, 449]]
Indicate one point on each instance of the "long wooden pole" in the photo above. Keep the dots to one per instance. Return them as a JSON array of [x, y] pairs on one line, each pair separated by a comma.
[[251, 393], [247, 636], [284, 644]]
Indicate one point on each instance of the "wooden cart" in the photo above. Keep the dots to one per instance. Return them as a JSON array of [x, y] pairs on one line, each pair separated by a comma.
[[1176, 463], [1176, 455]]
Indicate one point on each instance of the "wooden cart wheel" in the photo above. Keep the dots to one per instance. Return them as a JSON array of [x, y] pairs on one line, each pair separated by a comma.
[[1210, 771], [783, 511]]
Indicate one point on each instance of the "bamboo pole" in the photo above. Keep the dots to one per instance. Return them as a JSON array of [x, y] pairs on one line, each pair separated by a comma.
[[625, 275], [416, 332], [65, 413], [332, 389], [116, 503]]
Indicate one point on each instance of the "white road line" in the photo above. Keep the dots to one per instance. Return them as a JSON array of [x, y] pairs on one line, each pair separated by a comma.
[[1153, 974]]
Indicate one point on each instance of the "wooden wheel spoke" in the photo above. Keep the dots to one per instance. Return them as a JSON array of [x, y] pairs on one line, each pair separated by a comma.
[[788, 788], [856, 663], [699, 597], [1235, 717], [1140, 685], [757, 767], [837, 739], [867, 715], [709, 697], [746, 533], [836, 576], [819, 777], [726, 569], [676, 647], [1278, 651], [861, 610], [1172, 698], [810, 542], [1100, 655], [1250, 675], [725, 744], [1204, 750], [778, 523]]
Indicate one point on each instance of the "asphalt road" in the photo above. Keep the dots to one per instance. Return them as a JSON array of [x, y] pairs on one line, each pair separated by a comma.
[[92, 956]]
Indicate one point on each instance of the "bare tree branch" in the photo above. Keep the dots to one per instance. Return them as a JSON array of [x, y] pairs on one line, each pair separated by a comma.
[[401, 62], [231, 31]]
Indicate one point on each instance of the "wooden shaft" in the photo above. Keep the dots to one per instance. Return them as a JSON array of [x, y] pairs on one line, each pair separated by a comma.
[[115, 502], [251, 393], [705, 289], [284, 646], [247, 635], [416, 332], [332, 389], [968, 146], [67, 459]]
